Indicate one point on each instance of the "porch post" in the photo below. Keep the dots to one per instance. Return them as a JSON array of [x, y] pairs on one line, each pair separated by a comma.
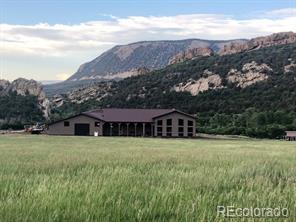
[[152, 127], [143, 130], [135, 129], [111, 128], [119, 124]]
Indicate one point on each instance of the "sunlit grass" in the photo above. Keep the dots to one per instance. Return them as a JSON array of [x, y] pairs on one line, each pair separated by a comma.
[[46, 178]]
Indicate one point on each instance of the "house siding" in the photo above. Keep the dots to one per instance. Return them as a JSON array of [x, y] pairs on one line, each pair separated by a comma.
[[59, 128], [175, 124]]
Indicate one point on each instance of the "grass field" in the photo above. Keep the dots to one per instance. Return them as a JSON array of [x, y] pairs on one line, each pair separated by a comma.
[[46, 178]]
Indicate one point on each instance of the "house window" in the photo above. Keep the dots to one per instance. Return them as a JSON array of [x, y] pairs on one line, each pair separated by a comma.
[[169, 134], [169, 122], [159, 122], [169, 129], [159, 131], [180, 129], [190, 134], [66, 123], [181, 122], [97, 124], [190, 123], [181, 134], [190, 129]]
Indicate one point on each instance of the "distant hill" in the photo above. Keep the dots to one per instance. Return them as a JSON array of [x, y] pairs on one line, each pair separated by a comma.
[[124, 60], [129, 60]]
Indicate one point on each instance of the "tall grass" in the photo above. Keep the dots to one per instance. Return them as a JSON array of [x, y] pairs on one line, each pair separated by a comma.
[[46, 178]]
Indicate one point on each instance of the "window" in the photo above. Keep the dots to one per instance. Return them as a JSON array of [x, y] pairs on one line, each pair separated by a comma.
[[180, 129], [169, 122], [159, 131], [181, 122], [181, 134], [169, 134], [97, 124], [190, 129], [190, 123], [66, 123], [190, 134], [159, 122], [169, 129]]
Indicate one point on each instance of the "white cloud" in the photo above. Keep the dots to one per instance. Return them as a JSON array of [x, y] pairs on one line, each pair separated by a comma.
[[285, 12], [94, 36]]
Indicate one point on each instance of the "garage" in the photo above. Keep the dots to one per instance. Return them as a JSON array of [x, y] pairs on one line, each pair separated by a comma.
[[82, 129]]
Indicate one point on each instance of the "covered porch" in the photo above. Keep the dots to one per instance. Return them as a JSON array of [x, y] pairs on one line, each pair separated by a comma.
[[128, 129]]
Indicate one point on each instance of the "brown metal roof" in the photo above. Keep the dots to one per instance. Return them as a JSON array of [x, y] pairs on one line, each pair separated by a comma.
[[127, 115]]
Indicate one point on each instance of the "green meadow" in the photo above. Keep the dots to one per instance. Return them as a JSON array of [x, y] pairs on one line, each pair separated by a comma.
[[53, 178]]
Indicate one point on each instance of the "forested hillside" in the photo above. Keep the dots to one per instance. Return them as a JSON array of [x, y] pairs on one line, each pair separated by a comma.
[[22, 102], [17, 110], [251, 93]]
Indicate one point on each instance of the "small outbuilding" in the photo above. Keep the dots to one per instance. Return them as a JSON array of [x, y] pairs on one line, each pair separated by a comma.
[[127, 122]]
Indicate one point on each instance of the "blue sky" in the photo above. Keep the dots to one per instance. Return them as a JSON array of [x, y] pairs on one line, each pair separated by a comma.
[[71, 12], [48, 40]]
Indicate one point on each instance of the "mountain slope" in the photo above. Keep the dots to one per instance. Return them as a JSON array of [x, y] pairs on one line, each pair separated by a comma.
[[121, 61], [126, 60], [250, 93]]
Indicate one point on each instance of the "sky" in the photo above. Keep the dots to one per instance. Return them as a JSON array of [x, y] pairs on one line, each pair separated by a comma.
[[49, 40]]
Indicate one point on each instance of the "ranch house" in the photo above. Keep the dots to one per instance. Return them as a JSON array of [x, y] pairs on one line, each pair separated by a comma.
[[290, 135], [127, 122]]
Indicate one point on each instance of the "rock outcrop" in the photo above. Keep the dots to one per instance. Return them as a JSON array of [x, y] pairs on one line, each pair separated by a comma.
[[191, 54], [27, 87], [250, 74], [208, 81], [260, 42], [129, 73], [57, 101], [290, 67], [236, 46], [4, 84], [95, 91]]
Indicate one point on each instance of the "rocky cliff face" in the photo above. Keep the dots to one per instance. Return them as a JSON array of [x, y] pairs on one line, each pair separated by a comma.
[[125, 60], [209, 80], [290, 67], [190, 54], [129, 73], [237, 47], [27, 87], [260, 42], [96, 91], [250, 74]]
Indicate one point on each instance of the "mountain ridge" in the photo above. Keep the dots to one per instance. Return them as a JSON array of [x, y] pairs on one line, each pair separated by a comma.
[[122, 61], [144, 54]]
